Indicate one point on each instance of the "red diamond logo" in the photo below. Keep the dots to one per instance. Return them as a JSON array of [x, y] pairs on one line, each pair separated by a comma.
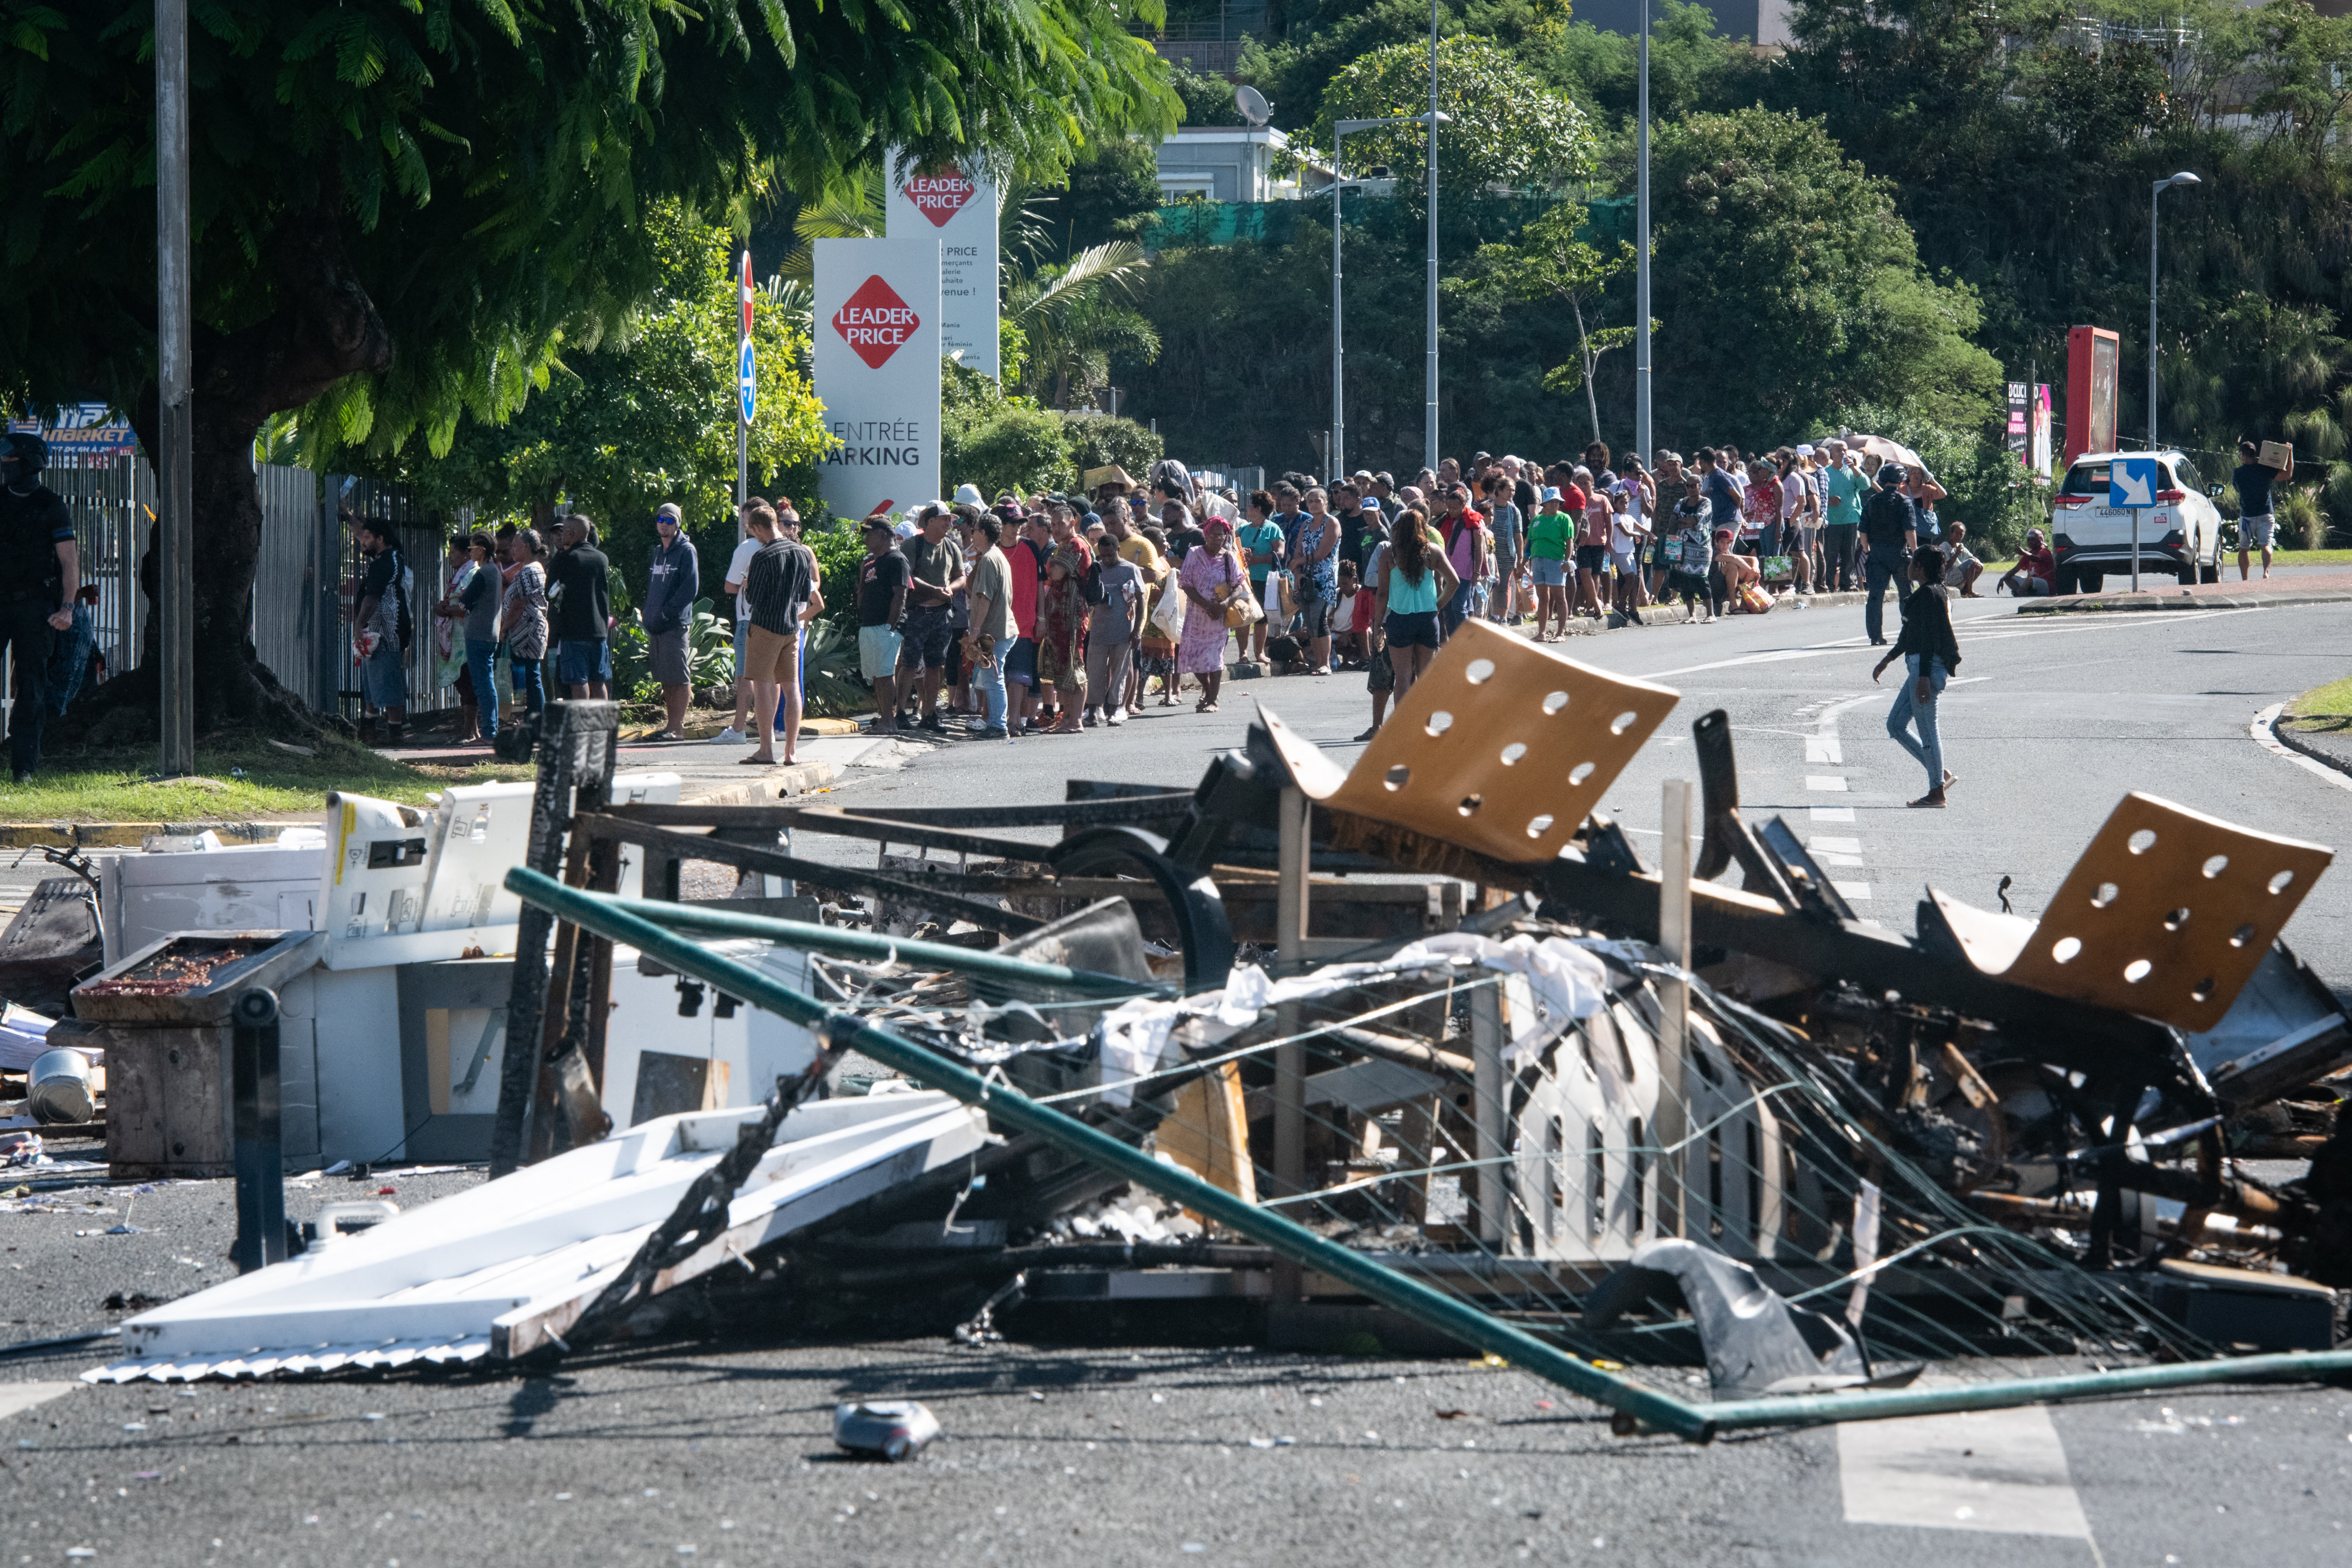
[[939, 197], [874, 322]]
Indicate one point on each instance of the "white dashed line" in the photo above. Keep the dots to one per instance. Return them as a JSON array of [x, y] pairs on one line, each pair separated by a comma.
[[1832, 814], [1826, 782], [1855, 892], [1820, 748]]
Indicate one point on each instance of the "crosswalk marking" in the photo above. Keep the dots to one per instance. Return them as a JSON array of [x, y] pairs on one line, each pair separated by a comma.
[[1834, 783], [2001, 1471]]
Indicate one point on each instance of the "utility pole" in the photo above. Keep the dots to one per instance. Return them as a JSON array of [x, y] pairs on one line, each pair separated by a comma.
[[1428, 414], [2183, 178], [1641, 432], [174, 377]]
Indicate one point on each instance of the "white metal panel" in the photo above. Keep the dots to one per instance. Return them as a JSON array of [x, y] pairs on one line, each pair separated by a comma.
[[361, 1095]]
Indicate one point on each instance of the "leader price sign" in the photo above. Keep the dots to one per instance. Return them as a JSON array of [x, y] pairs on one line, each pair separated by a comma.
[[878, 371], [957, 207]]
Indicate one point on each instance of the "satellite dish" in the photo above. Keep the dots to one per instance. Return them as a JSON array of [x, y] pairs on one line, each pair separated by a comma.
[[1254, 106]]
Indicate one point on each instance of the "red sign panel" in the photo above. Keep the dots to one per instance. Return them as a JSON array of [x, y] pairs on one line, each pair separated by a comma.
[[939, 197], [874, 322]]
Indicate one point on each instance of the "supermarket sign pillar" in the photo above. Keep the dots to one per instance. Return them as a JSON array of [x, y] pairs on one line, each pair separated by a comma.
[[958, 207], [878, 372]]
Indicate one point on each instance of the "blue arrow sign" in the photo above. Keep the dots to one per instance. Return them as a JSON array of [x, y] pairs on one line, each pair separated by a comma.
[[2134, 481], [747, 386]]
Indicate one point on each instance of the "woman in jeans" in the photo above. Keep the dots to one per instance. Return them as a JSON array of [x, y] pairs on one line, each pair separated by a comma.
[[1930, 654], [524, 615], [1419, 578]]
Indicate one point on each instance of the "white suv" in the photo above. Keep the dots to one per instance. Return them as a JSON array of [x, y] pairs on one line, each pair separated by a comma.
[[2180, 534]]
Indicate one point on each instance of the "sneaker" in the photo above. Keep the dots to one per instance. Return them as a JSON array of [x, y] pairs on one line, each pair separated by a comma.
[[935, 724], [993, 732], [1114, 721], [1089, 722], [729, 736]]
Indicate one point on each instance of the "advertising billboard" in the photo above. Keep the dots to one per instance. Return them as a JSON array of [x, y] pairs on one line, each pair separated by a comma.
[[878, 372], [2094, 358], [957, 206]]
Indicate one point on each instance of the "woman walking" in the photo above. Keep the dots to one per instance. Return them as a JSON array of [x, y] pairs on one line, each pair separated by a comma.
[[1212, 572], [1930, 655], [1419, 578]]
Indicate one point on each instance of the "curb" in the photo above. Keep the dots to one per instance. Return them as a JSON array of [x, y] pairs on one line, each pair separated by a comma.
[[795, 778], [2265, 732], [130, 835], [2178, 602], [2294, 742]]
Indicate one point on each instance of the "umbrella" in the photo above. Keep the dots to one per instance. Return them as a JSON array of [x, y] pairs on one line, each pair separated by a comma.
[[1888, 451]]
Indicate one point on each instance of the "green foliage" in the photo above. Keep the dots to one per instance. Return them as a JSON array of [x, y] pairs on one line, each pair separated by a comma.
[[1098, 440], [1692, 67], [839, 550], [1989, 489], [830, 684], [1207, 99], [648, 415], [1507, 129], [1550, 262], [1316, 39], [1789, 286], [1077, 316], [995, 441], [1110, 195]]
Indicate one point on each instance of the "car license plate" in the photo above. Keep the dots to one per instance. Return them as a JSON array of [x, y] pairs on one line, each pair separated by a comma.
[[2122, 511]]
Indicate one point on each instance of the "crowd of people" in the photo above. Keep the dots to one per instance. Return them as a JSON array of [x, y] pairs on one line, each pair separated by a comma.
[[1050, 614]]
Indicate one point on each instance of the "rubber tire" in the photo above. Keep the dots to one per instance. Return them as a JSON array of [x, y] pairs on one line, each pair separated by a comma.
[[2087, 580]]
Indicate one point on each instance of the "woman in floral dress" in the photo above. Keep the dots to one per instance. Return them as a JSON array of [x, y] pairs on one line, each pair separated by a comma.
[[1212, 574]]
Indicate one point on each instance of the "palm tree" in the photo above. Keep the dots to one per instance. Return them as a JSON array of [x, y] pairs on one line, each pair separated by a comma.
[[1076, 318], [854, 212]]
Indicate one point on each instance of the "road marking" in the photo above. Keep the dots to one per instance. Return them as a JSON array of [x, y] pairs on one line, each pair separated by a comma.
[[19, 1397], [1822, 748], [1833, 856], [2261, 730], [1836, 845], [1855, 892], [1832, 814], [2115, 622], [2003, 1471], [1827, 783]]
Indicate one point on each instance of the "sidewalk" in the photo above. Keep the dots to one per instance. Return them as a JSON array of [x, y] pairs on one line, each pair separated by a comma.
[[2314, 588]]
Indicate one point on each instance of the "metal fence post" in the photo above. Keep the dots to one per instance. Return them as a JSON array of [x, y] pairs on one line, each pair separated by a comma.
[[260, 1146]]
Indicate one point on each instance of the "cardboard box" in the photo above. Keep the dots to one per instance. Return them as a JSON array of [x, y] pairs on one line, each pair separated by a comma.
[[2275, 455]]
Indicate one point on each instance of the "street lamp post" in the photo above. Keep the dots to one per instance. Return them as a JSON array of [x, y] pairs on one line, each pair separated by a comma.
[[2183, 178], [1429, 413], [1341, 130], [1642, 240]]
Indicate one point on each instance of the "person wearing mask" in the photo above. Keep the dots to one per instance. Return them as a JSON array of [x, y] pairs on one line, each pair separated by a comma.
[[1889, 534], [1314, 581], [1114, 595], [40, 578], [989, 639], [1551, 537], [523, 617], [383, 624], [2257, 521], [1930, 656], [1421, 576], [1062, 623], [673, 582], [1210, 577], [775, 584], [1843, 489], [1264, 540], [476, 604], [1461, 534], [583, 613], [1507, 524], [882, 580], [935, 573]]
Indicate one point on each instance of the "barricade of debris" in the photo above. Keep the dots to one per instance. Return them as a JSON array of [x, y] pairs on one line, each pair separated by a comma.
[[1616, 1115]]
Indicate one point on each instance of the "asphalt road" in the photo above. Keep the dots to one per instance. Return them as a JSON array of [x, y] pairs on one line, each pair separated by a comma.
[[718, 1453]]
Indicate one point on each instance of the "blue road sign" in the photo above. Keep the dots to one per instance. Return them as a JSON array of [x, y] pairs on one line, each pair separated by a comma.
[[2134, 481], [747, 387]]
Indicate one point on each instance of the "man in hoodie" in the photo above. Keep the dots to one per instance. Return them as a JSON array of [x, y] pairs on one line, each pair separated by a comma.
[[672, 578]]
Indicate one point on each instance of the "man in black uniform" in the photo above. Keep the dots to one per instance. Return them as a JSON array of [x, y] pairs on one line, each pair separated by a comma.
[[39, 575]]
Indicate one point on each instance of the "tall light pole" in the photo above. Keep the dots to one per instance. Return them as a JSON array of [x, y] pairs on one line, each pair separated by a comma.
[[1642, 262], [2183, 178], [1429, 413], [175, 375], [1336, 458]]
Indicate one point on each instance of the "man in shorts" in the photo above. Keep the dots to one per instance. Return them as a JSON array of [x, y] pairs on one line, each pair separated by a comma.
[[2257, 523], [740, 562], [778, 584], [673, 580], [882, 580], [935, 573]]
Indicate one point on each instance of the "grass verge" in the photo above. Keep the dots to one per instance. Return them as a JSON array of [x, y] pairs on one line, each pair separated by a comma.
[[238, 778], [2324, 709]]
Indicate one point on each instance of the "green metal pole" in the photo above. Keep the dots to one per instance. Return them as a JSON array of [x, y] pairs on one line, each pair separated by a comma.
[[1642, 1408], [711, 921], [1419, 1301]]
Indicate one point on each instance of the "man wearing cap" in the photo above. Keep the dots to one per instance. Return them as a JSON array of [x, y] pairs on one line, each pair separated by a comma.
[[881, 610], [40, 574], [673, 579], [2036, 572], [935, 565], [1890, 532]]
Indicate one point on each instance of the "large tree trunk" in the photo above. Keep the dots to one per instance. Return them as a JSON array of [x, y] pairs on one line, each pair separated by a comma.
[[325, 329]]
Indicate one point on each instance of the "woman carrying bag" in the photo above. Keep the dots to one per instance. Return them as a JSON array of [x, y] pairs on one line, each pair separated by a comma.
[[1215, 585]]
